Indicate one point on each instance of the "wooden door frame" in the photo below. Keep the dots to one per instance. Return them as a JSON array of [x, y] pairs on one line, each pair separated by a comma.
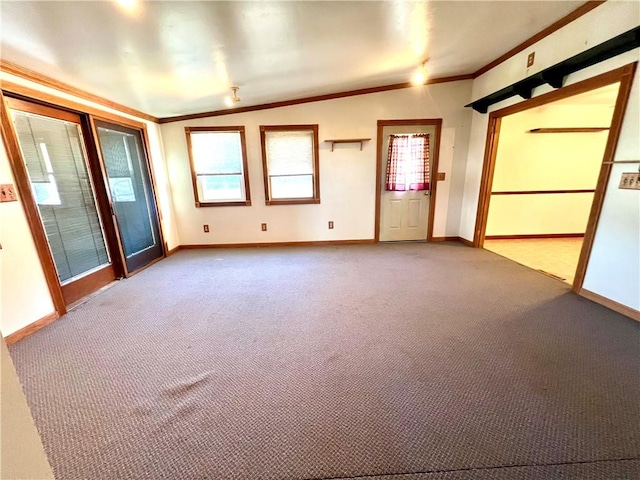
[[141, 128], [23, 187], [433, 183], [624, 75]]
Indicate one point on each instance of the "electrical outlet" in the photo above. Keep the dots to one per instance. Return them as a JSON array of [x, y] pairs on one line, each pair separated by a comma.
[[630, 181], [530, 59], [206, 228], [331, 225], [7, 193], [440, 176], [264, 227]]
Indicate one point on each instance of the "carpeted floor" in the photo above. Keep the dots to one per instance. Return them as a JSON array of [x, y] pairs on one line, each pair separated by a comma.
[[399, 361]]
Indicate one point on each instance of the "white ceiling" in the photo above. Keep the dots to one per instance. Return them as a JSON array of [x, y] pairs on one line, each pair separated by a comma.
[[173, 57]]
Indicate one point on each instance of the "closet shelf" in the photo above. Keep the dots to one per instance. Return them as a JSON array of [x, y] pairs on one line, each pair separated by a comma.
[[347, 140]]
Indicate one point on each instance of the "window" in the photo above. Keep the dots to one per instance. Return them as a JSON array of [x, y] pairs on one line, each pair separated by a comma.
[[290, 164], [408, 162], [218, 157]]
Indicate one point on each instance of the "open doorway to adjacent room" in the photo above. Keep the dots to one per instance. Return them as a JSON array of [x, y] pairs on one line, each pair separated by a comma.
[[547, 164]]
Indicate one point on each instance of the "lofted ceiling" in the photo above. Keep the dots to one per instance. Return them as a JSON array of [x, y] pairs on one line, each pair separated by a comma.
[[170, 58]]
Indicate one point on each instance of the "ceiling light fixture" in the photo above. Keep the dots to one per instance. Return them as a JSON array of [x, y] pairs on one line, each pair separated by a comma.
[[231, 100], [420, 77]]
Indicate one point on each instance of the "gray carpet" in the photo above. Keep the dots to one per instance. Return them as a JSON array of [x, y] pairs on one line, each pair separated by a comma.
[[400, 361]]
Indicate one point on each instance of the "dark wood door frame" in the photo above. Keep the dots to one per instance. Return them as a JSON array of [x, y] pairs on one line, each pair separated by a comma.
[[433, 183], [624, 75], [141, 128]]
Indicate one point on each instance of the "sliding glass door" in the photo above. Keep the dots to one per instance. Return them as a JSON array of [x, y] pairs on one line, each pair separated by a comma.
[[55, 157], [131, 189]]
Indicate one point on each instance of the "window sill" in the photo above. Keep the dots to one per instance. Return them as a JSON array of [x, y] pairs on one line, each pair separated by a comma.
[[243, 203], [294, 201]]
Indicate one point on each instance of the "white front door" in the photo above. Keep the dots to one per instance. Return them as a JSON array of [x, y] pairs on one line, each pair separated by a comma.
[[403, 215]]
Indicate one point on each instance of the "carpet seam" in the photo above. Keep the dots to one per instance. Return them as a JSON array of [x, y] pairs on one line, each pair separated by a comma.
[[472, 469]]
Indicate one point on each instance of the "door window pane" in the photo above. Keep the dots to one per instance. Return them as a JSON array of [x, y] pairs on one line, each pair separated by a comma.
[[122, 157], [55, 159]]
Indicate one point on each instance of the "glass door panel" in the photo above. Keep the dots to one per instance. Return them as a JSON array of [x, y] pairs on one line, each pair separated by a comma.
[[56, 161], [131, 194]]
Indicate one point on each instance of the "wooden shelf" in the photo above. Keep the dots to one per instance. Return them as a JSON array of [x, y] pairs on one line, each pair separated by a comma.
[[569, 130], [347, 140]]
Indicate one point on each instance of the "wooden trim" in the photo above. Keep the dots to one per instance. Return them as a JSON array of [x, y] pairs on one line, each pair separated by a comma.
[[564, 21], [626, 83], [173, 250], [314, 243], [624, 75], [55, 101], [615, 306], [592, 83], [31, 328], [569, 130], [245, 174], [78, 289], [37, 109], [486, 182], [534, 235], [445, 239], [316, 164], [46, 81], [315, 98], [541, 192], [433, 183], [466, 242], [21, 177]]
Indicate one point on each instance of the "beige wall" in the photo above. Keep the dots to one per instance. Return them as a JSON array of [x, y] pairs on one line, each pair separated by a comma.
[[23, 290], [347, 175], [21, 453], [547, 161], [612, 270]]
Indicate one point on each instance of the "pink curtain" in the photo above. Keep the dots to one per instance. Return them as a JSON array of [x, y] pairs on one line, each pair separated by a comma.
[[408, 163]]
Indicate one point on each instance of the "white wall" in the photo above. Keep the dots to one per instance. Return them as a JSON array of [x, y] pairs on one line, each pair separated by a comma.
[[23, 290], [547, 161], [347, 175], [613, 267]]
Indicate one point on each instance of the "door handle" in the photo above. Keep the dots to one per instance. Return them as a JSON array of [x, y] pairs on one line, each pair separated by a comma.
[[427, 193]]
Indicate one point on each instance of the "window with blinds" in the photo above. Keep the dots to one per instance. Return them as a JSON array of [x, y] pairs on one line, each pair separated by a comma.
[[218, 165], [290, 164]]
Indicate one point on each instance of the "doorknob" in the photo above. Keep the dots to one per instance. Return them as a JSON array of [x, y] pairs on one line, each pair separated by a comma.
[[428, 192]]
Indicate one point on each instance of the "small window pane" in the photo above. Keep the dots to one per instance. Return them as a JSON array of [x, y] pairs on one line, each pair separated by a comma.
[[292, 187], [216, 152], [220, 187], [290, 152]]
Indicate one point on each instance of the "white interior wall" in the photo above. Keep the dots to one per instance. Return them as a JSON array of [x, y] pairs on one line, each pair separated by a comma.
[[347, 175], [547, 161], [23, 289], [613, 267]]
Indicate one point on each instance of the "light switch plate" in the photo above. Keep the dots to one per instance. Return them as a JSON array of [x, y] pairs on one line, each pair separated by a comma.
[[440, 176], [630, 181], [7, 193]]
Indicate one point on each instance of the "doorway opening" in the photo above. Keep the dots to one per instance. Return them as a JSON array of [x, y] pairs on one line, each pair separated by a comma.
[[407, 156], [547, 163], [544, 180]]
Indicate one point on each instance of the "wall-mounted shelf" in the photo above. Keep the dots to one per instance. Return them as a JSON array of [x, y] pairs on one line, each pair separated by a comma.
[[555, 75], [347, 140], [569, 130]]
